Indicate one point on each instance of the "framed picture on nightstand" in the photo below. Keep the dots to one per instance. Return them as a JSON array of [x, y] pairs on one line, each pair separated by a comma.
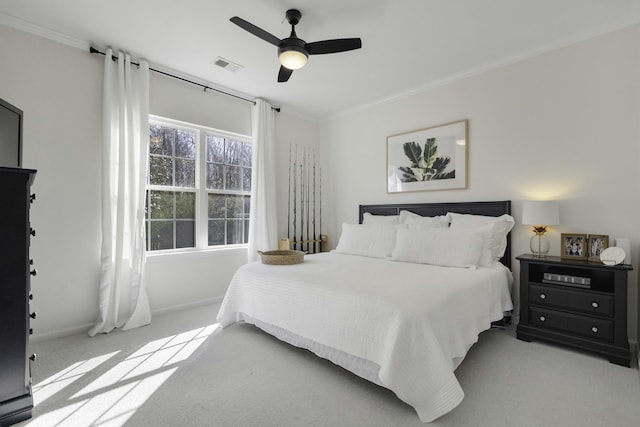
[[596, 243], [574, 246]]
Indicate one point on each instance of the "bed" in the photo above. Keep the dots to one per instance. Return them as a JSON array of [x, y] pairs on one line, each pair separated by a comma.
[[398, 322]]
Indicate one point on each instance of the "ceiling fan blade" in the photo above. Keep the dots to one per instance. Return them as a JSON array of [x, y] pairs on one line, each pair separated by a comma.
[[284, 74], [333, 46], [256, 31]]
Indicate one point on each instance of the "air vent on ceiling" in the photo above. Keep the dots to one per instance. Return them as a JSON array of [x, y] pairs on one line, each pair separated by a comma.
[[226, 64]]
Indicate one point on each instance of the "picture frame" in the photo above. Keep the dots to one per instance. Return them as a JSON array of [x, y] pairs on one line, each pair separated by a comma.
[[596, 244], [573, 246], [444, 167]]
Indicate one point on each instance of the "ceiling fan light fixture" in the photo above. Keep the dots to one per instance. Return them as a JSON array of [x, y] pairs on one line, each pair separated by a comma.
[[292, 57]]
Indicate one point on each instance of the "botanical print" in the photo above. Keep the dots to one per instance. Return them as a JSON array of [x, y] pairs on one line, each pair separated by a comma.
[[428, 159], [425, 165]]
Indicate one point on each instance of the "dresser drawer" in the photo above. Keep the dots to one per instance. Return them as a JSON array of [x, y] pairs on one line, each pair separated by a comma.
[[586, 326], [576, 300]]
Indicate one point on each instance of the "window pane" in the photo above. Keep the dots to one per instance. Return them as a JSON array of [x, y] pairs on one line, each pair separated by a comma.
[[216, 232], [185, 234], [233, 177], [161, 204], [215, 149], [232, 152], [160, 170], [160, 140], [246, 179], [185, 173], [235, 232], [247, 204], [185, 144], [217, 206], [215, 176], [235, 206], [161, 235], [246, 231], [246, 154], [186, 205]]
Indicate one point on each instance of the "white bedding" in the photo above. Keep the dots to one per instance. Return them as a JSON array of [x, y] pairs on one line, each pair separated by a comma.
[[402, 325]]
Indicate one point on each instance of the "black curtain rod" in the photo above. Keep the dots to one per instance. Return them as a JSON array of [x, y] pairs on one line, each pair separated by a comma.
[[205, 87]]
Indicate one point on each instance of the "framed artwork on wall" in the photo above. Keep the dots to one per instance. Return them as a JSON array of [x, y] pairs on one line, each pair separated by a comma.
[[597, 244], [428, 159], [574, 246]]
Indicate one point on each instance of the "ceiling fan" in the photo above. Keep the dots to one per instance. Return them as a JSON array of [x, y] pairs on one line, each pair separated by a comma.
[[293, 52]]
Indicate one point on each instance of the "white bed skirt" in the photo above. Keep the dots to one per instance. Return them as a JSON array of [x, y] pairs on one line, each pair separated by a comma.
[[361, 367]]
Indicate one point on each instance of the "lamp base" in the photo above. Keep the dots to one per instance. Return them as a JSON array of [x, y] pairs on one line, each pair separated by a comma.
[[539, 245]]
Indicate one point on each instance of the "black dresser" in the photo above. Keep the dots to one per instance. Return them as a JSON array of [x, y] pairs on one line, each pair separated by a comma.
[[16, 401], [589, 314]]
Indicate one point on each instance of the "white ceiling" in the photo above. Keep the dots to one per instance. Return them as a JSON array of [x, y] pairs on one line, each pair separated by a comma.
[[407, 45]]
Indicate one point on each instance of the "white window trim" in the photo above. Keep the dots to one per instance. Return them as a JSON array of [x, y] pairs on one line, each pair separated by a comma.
[[202, 214]]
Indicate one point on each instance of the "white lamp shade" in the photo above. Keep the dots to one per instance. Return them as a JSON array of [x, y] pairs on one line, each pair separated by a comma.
[[292, 59], [536, 212]]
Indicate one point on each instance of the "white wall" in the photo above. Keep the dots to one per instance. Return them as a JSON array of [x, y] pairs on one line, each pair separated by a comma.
[[59, 88], [563, 125]]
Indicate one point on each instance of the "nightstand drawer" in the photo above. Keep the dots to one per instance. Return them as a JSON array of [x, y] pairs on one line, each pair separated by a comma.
[[584, 301], [591, 327], [601, 305], [544, 295]]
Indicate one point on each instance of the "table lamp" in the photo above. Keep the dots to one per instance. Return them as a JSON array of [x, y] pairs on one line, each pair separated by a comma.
[[540, 214]]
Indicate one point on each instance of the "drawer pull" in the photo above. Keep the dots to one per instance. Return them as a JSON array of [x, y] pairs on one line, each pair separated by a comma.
[[34, 272], [33, 357], [595, 304], [594, 329], [32, 232], [32, 198], [542, 318], [543, 296], [33, 315]]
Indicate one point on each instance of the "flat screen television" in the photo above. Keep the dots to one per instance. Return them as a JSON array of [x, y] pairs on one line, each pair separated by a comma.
[[10, 135]]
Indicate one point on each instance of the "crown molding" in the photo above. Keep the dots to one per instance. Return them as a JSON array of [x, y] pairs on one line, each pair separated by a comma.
[[46, 33]]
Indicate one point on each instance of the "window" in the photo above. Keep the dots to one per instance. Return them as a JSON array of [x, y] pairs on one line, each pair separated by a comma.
[[199, 187]]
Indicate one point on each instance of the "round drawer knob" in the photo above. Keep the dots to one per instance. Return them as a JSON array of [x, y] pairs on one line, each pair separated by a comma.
[[542, 318], [595, 304], [594, 329], [543, 296]]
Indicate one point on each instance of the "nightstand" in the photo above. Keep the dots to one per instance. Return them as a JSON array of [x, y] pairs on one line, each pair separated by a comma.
[[590, 317]]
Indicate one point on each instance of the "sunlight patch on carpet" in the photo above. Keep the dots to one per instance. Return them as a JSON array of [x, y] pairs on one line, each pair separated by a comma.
[[113, 397]]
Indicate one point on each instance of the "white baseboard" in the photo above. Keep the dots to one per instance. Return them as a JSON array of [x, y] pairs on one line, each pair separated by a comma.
[[36, 338], [180, 307]]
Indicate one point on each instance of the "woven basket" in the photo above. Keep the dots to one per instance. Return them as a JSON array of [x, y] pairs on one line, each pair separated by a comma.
[[281, 257]]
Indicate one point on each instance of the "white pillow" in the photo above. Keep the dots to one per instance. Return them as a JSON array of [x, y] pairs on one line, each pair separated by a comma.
[[413, 219], [368, 218], [501, 225], [438, 246], [373, 240], [486, 256]]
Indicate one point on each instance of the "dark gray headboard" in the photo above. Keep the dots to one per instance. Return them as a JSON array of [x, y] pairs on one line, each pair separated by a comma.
[[434, 209]]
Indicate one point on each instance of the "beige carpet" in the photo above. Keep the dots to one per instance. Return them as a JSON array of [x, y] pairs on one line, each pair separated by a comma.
[[182, 371]]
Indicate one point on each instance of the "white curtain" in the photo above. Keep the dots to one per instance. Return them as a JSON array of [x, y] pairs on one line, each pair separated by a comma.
[[263, 222], [123, 298]]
